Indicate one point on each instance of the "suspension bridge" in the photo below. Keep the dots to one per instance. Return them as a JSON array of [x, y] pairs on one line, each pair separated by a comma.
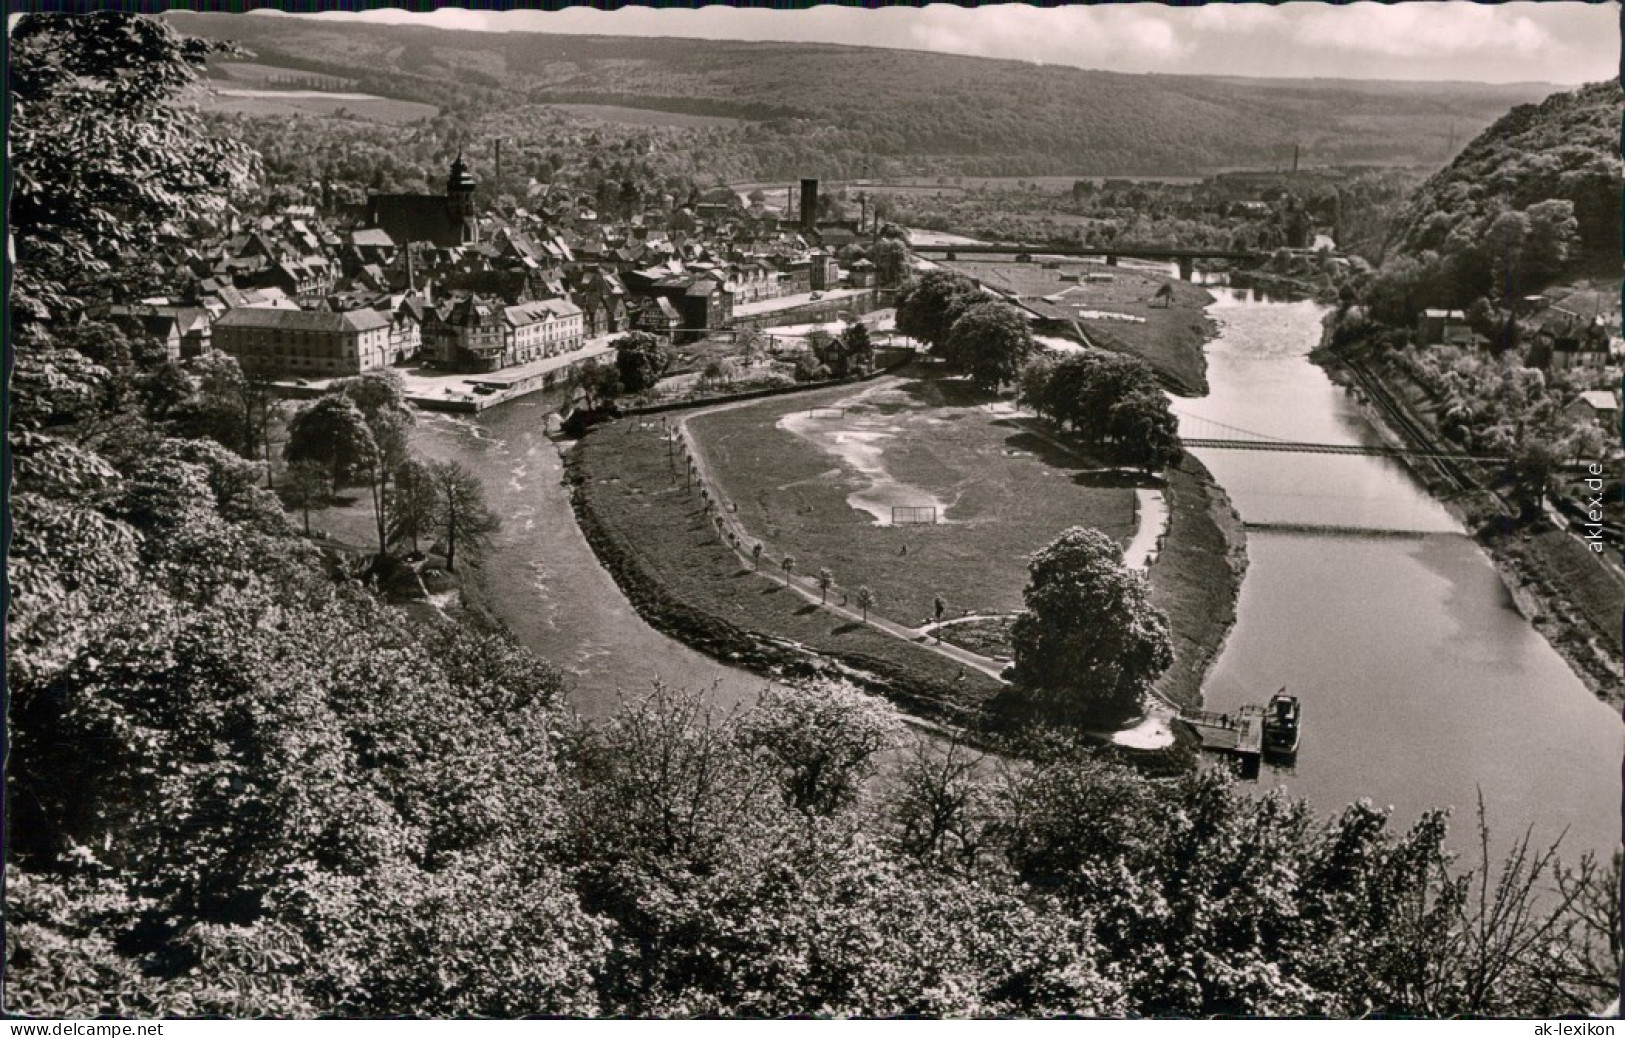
[[1199, 432]]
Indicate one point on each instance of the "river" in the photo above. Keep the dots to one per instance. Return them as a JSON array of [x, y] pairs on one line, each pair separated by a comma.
[[544, 579], [1422, 685]]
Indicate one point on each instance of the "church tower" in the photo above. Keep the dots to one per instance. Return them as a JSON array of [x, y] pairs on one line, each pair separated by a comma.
[[460, 198]]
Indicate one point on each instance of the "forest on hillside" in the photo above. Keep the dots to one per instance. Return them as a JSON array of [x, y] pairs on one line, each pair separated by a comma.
[[1531, 202], [1565, 148], [838, 111]]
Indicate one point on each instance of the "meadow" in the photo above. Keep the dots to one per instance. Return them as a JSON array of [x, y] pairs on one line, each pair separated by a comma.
[[816, 476]]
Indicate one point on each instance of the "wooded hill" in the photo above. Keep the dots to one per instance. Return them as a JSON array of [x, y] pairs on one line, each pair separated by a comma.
[[1565, 148], [834, 111]]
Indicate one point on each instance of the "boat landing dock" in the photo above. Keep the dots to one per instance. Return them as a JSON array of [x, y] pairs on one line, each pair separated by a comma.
[[1240, 734]]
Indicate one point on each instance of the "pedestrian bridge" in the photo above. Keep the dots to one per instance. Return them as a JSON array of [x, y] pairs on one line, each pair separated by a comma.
[[1205, 433]]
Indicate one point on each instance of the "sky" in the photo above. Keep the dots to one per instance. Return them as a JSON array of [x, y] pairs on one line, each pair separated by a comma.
[[1555, 42]]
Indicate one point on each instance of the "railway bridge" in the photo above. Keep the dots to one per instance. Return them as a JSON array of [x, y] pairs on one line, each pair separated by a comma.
[[1024, 252]]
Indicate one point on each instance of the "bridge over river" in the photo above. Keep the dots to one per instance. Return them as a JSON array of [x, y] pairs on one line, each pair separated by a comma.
[[1024, 252], [1197, 431]]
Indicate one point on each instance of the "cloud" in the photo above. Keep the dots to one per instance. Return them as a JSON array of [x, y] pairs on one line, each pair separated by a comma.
[[1419, 29], [1081, 36]]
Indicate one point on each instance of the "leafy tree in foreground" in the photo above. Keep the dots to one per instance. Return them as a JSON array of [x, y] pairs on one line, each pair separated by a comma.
[[1089, 638], [1145, 430], [821, 740], [925, 308], [106, 163]]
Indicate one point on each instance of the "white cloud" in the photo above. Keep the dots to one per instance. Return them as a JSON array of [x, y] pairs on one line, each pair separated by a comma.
[[1412, 30], [1081, 36]]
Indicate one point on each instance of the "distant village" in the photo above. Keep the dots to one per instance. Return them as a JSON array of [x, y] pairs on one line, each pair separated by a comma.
[[318, 292]]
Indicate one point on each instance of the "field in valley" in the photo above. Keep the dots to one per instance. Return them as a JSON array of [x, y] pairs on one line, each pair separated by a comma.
[[817, 475], [1170, 338]]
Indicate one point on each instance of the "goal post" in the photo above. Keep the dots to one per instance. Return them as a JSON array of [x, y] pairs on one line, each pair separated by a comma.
[[914, 514]]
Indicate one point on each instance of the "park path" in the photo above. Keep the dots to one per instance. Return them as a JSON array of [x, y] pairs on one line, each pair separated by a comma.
[[805, 585]]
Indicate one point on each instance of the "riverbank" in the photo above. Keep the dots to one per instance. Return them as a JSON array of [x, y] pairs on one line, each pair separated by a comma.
[[1567, 595], [1196, 579]]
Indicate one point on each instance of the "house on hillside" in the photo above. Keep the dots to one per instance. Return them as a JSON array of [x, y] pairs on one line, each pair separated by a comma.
[[1431, 327], [1598, 405]]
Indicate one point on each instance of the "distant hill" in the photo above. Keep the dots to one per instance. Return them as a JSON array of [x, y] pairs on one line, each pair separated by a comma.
[[1566, 148], [837, 111]]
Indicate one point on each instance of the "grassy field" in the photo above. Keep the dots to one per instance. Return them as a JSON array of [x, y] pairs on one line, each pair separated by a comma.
[[371, 109], [988, 636], [1171, 337], [1001, 492], [652, 533]]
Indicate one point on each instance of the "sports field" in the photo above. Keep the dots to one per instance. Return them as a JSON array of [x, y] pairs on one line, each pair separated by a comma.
[[817, 475]]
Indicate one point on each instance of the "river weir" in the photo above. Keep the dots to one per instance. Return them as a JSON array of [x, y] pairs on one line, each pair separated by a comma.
[[1422, 684]]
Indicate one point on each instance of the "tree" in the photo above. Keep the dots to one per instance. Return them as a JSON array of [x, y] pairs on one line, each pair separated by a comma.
[[820, 741], [381, 398], [461, 517], [597, 385], [641, 359], [306, 487], [990, 341], [414, 503], [866, 600], [1145, 430], [809, 368], [826, 580], [1089, 639], [332, 431], [890, 258], [107, 166], [857, 349], [926, 308]]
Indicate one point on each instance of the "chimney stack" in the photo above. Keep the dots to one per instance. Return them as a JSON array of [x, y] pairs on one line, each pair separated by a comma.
[[809, 204]]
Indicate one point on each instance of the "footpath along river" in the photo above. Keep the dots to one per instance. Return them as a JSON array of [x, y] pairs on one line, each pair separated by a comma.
[[1422, 685]]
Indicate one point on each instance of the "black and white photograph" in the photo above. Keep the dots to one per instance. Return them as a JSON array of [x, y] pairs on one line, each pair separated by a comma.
[[813, 512]]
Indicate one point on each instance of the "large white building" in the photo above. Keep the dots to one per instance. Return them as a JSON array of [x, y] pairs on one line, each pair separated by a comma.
[[305, 342]]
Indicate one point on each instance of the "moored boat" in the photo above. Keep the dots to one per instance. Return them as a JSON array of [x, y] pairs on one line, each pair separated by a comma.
[[1283, 725]]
